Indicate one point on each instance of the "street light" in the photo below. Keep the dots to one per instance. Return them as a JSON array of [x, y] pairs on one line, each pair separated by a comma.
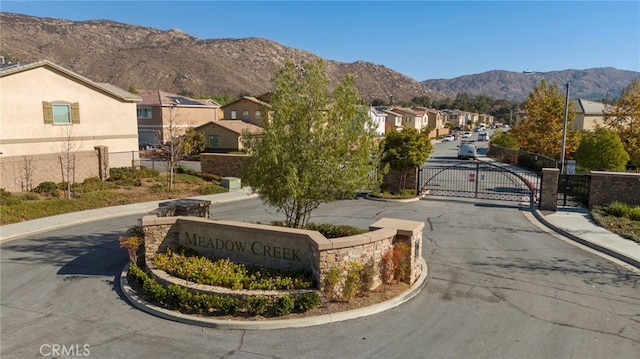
[[566, 113]]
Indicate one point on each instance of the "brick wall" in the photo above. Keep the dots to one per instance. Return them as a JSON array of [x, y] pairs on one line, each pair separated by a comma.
[[222, 164], [607, 187]]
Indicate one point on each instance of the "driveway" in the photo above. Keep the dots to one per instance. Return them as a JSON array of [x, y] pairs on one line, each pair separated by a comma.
[[499, 287]]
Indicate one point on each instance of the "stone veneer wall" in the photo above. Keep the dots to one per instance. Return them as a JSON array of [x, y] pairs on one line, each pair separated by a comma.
[[222, 164], [607, 187], [312, 250]]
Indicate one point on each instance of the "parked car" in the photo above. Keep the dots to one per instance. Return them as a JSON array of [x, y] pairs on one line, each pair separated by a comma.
[[483, 136], [448, 138], [466, 134]]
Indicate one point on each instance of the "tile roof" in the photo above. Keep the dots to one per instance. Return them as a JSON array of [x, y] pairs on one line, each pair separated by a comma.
[[248, 98], [162, 98], [236, 126]]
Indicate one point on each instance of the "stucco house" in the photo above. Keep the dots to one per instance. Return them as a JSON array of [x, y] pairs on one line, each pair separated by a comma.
[[226, 135], [247, 109], [589, 114], [412, 118], [54, 121], [160, 113], [378, 119]]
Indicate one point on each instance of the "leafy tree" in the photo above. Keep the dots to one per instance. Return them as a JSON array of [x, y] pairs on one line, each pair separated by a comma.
[[504, 139], [623, 116], [540, 131], [133, 89], [602, 150], [193, 142], [314, 149], [405, 150]]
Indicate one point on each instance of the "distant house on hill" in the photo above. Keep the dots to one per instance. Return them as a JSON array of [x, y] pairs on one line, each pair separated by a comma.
[[226, 135], [160, 111], [589, 114], [60, 126], [247, 109]]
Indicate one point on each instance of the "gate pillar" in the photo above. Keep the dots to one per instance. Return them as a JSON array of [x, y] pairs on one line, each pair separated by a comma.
[[549, 189]]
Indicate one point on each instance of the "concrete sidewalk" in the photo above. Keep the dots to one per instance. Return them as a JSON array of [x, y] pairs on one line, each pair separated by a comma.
[[576, 224], [15, 230]]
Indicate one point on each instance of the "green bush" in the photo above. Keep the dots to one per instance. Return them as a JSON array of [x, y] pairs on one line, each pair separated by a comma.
[[28, 196], [154, 291], [48, 188], [127, 176], [257, 305], [178, 296], [227, 305], [211, 189], [284, 305], [618, 209], [331, 282], [224, 273], [634, 214], [307, 301], [7, 198]]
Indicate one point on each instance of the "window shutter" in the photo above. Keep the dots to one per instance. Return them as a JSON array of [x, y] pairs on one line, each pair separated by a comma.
[[47, 112], [75, 113]]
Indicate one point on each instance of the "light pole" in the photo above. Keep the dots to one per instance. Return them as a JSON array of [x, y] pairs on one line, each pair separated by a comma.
[[566, 114]]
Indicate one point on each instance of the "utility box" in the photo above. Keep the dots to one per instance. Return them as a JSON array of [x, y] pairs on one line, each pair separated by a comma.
[[230, 182]]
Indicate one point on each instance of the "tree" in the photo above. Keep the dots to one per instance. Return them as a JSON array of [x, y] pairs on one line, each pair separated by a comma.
[[601, 150], [314, 149], [623, 116], [504, 139], [540, 131], [405, 150], [193, 142]]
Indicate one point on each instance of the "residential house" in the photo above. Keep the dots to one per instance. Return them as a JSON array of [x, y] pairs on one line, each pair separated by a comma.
[[410, 118], [160, 113], [393, 121], [589, 114], [60, 126], [379, 120], [436, 120], [248, 109], [226, 135]]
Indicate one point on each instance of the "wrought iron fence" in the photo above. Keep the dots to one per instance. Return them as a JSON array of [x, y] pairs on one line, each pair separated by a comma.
[[573, 190]]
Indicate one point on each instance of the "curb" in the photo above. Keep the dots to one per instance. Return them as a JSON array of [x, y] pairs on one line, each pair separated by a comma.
[[135, 300], [610, 252]]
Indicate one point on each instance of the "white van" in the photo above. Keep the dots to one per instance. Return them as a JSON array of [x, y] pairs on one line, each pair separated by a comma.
[[467, 150]]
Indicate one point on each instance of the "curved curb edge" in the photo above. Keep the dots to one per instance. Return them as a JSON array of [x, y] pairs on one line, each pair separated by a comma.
[[135, 300], [612, 253]]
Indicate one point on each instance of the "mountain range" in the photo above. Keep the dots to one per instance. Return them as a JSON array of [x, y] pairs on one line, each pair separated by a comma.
[[128, 55]]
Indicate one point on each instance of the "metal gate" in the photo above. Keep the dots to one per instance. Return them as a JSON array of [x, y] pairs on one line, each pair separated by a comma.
[[477, 179], [573, 190]]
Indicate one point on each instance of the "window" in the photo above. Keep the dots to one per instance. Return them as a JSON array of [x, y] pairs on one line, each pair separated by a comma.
[[60, 113], [233, 114], [144, 112], [258, 115], [245, 115], [213, 142]]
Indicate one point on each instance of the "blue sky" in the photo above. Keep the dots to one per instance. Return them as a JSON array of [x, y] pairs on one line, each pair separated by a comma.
[[421, 39]]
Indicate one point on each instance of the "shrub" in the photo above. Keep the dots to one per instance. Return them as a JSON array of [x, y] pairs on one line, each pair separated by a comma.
[[257, 305], [331, 283], [7, 198], [352, 280], [227, 305], [618, 209], [154, 291], [402, 253], [132, 244], [211, 189], [307, 301], [284, 305], [48, 188], [634, 214], [178, 296], [388, 266], [334, 231]]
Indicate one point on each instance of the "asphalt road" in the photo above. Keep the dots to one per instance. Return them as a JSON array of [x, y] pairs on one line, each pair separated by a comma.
[[499, 287]]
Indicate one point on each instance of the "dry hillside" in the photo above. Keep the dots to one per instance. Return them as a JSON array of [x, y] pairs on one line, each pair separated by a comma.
[[148, 58]]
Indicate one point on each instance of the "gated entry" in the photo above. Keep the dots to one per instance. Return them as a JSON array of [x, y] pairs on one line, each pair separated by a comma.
[[477, 179]]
